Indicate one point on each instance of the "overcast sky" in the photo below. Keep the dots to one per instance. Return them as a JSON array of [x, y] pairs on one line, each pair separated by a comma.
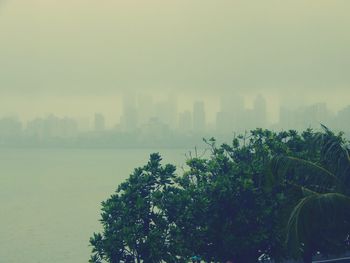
[[79, 56]]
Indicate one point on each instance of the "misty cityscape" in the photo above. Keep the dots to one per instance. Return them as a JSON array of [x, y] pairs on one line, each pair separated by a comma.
[[154, 131], [145, 122]]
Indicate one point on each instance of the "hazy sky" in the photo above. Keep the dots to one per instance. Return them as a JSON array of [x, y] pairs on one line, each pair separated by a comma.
[[77, 56]]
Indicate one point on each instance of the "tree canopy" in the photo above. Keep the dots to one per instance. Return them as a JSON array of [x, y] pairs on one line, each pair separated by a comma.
[[282, 194]]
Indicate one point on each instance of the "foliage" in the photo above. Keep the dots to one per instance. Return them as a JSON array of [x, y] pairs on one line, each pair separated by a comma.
[[242, 200], [134, 228], [320, 221]]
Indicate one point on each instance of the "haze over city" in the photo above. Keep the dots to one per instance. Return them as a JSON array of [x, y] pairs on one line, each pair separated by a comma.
[[77, 58], [174, 131]]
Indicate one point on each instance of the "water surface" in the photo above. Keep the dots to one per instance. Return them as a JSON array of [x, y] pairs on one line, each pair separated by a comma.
[[50, 199]]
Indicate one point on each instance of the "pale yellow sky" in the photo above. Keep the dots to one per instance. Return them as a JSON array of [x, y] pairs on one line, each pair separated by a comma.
[[56, 54]]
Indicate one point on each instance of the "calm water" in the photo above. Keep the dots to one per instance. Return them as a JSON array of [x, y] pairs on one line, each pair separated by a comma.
[[50, 199]]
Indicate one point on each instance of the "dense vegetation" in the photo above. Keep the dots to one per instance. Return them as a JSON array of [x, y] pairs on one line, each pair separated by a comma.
[[283, 195]]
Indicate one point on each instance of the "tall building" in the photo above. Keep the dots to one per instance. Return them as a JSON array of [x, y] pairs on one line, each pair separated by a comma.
[[185, 122], [173, 111], [145, 108], [311, 116], [166, 112], [316, 114], [154, 130], [199, 119], [68, 127], [129, 118], [99, 122], [230, 117], [342, 119], [52, 127]]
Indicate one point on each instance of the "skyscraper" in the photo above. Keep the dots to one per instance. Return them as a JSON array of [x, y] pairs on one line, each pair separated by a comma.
[[229, 118], [342, 119], [129, 119], [199, 120], [185, 122], [145, 108], [166, 111]]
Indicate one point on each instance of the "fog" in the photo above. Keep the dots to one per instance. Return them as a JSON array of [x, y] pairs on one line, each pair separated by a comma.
[[88, 88], [77, 58]]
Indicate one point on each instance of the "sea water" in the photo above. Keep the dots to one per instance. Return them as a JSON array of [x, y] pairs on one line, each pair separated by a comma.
[[50, 198]]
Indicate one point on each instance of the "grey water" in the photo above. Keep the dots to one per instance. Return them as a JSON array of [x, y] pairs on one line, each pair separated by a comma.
[[50, 198]]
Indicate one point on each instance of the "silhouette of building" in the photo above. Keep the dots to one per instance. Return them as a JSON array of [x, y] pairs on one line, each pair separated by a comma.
[[315, 114], [166, 112], [145, 108], [154, 130], [199, 119], [230, 116], [185, 122], [311, 116], [52, 127], [341, 121], [129, 118]]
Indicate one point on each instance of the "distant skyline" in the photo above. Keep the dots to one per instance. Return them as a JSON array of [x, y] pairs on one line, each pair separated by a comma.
[[78, 57], [111, 107], [147, 123], [226, 112]]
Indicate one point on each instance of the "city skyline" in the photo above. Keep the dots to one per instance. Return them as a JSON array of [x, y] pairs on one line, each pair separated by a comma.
[[143, 114], [27, 108], [75, 59], [174, 131]]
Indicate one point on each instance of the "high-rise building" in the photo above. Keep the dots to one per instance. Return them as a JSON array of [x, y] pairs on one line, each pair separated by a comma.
[[145, 108], [154, 130], [166, 112], [52, 127], [185, 121], [311, 116], [68, 127], [315, 115], [129, 118], [199, 119], [342, 119], [231, 113]]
